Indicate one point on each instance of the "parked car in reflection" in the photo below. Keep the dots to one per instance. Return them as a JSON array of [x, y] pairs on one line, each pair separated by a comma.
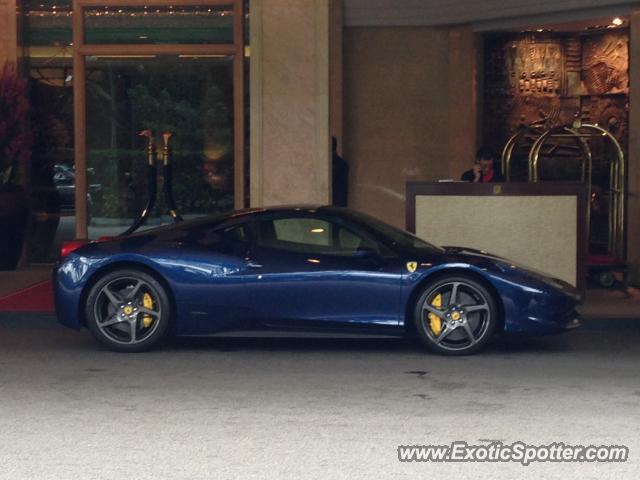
[[64, 179]]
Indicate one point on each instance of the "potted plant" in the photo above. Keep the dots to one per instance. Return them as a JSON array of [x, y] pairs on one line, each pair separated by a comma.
[[15, 153]]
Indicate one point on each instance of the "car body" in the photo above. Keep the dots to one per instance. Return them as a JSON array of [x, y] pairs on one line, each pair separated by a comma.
[[308, 269]]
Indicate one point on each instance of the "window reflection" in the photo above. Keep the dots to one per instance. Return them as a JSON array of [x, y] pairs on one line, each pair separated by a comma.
[[47, 33], [159, 25], [47, 23], [193, 97], [190, 97]]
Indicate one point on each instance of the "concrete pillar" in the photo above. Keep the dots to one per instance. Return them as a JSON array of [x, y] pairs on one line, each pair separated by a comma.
[[289, 85], [633, 164], [336, 71], [8, 32]]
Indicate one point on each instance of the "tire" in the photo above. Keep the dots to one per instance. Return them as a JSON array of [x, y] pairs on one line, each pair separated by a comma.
[[465, 326], [128, 310]]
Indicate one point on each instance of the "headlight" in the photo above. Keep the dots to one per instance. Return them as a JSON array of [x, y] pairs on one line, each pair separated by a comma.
[[535, 274]]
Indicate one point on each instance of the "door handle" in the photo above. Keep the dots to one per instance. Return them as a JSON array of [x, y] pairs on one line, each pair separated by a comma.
[[251, 264]]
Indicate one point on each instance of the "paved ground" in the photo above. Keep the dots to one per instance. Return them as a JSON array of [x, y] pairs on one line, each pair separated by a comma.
[[315, 408], [611, 303]]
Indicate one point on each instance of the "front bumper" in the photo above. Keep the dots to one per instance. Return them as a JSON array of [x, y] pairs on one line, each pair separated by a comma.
[[544, 321], [573, 323], [536, 308]]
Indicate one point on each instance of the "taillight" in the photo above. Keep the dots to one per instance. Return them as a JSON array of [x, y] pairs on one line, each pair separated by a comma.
[[68, 247]]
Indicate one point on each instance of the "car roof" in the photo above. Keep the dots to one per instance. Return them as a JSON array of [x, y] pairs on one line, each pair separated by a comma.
[[244, 214], [293, 209]]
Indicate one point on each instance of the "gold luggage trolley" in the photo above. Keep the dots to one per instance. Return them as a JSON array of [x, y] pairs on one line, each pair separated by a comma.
[[539, 141]]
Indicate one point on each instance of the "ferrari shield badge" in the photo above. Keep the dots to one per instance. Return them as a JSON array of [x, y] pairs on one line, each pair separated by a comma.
[[411, 266]]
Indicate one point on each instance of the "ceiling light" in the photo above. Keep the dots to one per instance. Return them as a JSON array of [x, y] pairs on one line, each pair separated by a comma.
[[617, 21]]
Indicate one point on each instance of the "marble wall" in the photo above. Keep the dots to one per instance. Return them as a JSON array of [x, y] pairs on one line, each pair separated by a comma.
[[410, 112], [289, 108]]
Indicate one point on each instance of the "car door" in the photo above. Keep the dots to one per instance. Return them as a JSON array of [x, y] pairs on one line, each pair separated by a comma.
[[318, 272], [212, 284]]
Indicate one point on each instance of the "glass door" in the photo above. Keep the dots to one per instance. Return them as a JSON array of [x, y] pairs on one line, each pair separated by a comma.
[[168, 67], [190, 97]]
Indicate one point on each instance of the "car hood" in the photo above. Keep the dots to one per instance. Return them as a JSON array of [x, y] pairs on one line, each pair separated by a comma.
[[475, 255], [509, 268], [449, 254], [483, 255]]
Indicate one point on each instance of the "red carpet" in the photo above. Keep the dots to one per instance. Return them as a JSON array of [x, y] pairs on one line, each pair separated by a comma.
[[35, 298]]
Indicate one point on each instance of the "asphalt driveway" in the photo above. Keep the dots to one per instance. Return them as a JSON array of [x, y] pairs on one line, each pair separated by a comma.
[[307, 408]]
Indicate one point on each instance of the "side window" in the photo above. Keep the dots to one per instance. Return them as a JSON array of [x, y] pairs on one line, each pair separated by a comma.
[[304, 231], [235, 234], [226, 240], [311, 235], [349, 240]]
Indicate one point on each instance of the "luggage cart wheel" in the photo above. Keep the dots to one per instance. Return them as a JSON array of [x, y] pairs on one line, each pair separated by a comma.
[[605, 278]]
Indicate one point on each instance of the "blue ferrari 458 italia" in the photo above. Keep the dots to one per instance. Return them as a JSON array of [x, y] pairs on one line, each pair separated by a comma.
[[301, 269]]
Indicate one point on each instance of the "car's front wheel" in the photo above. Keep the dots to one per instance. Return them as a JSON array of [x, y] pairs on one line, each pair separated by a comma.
[[455, 315], [128, 311]]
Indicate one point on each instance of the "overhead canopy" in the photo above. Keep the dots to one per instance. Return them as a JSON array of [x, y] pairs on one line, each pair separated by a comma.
[[447, 12]]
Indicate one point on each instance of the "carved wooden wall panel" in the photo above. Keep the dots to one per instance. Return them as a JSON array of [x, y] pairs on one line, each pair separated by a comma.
[[605, 61], [528, 77]]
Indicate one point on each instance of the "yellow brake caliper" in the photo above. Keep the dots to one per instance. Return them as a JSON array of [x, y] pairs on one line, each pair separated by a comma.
[[434, 321], [147, 302]]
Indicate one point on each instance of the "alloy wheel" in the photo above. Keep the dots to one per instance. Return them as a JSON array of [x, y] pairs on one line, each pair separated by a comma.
[[127, 310], [456, 315]]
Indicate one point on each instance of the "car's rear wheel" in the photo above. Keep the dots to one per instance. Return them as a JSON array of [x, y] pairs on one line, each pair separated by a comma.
[[455, 315], [128, 311]]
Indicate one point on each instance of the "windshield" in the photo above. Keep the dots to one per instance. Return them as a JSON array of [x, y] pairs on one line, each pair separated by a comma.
[[397, 236]]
